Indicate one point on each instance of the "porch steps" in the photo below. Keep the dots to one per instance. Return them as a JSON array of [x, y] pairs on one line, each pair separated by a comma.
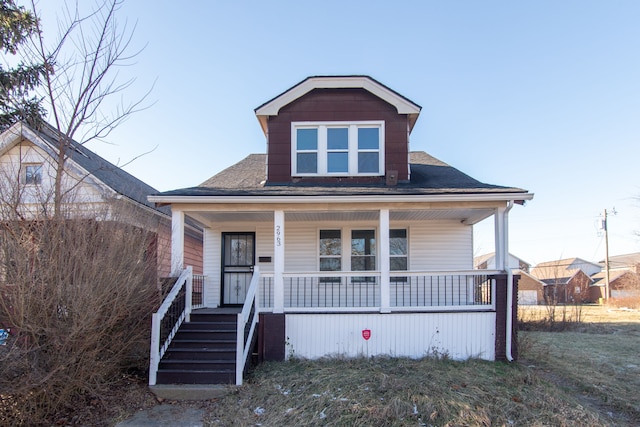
[[203, 351]]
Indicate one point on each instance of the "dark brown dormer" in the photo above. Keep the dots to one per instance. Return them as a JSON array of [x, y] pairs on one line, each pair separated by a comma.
[[338, 130]]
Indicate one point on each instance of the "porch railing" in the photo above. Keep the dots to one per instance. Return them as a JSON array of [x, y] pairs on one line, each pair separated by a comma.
[[362, 291], [247, 321], [174, 310], [434, 290], [197, 291]]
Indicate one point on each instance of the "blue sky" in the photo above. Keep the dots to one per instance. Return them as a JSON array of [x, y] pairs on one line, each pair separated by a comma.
[[541, 95]]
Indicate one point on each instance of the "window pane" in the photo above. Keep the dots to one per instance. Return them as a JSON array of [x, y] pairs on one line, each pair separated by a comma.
[[368, 162], [33, 174], [363, 263], [337, 138], [338, 162], [330, 242], [307, 163], [307, 139], [330, 264], [368, 138], [398, 242], [398, 263], [363, 242]]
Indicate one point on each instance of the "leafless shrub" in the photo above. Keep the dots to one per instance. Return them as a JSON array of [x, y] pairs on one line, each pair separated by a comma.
[[77, 294], [630, 302], [551, 317]]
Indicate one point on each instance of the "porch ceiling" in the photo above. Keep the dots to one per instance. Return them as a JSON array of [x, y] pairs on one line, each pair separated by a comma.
[[468, 216]]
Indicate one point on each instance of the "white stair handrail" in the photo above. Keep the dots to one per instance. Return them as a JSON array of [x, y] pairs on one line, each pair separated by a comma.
[[158, 349], [243, 348]]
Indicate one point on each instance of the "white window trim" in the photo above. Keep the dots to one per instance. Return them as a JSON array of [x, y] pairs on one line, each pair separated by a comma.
[[406, 229], [39, 167], [346, 244], [353, 147], [318, 255]]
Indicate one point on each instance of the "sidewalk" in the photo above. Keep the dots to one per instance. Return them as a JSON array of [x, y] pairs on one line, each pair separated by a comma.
[[166, 416]]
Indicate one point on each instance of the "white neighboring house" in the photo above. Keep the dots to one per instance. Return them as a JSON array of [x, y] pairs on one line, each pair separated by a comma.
[[530, 289], [90, 185], [488, 262], [362, 246]]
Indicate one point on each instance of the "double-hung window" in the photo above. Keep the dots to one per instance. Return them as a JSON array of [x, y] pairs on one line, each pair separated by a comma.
[[33, 174], [363, 253], [330, 252], [337, 148], [398, 253]]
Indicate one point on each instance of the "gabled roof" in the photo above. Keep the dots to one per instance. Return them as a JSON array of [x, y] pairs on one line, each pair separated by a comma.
[[429, 176], [613, 276], [113, 177], [401, 103], [621, 261], [529, 275], [480, 259], [560, 271]]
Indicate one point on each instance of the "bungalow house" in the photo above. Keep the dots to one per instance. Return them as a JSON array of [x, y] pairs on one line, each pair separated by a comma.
[[91, 185], [624, 277], [339, 240], [566, 280]]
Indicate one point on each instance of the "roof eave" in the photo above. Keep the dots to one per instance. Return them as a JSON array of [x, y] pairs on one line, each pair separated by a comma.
[[402, 104], [216, 199]]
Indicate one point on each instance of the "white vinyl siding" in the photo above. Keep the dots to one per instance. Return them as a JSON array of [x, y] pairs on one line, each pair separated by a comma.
[[440, 245], [433, 245], [211, 266], [457, 335]]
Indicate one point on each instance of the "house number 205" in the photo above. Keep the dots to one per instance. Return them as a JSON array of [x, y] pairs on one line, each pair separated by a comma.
[[278, 236]]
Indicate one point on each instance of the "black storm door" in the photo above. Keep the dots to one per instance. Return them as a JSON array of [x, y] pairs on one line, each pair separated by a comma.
[[238, 259]]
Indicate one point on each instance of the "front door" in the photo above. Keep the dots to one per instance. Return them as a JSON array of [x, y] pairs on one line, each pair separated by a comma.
[[238, 258]]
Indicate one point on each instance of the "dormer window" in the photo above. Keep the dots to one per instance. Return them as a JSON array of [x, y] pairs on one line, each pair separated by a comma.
[[337, 148]]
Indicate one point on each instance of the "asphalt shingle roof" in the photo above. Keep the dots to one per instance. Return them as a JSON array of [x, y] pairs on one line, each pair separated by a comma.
[[116, 178], [428, 176]]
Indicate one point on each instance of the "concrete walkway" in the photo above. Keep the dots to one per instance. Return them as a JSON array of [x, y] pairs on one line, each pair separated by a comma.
[[166, 416]]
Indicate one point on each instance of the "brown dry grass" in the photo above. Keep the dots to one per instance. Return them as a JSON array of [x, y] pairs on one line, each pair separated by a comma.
[[598, 360], [398, 392]]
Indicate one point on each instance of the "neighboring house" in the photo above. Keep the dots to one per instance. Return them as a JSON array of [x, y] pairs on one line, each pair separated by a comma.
[[628, 262], [91, 185], [566, 280], [488, 262], [530, 289], [624, 276], [362, 247]]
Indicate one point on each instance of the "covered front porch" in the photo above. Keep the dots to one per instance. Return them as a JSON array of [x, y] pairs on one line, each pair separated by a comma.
[[347, 279], [351, 257]]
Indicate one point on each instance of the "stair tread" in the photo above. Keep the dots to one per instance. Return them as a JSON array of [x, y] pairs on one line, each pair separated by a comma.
[[196, 371], [197, 361], [212, 350]]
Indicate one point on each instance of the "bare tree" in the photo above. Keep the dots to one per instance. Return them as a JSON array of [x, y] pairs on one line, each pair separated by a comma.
[[77, 276], [82, 75]]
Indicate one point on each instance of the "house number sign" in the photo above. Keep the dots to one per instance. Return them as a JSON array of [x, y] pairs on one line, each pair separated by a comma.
[[278, 236]]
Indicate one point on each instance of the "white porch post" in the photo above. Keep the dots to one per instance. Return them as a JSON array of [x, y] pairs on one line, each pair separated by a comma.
[[177, 241], [278, 262], [385, 289], [500, 239]]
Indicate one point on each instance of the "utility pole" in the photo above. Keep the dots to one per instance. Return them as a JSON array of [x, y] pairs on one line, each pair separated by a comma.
[[605, 227], [606, 256]]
